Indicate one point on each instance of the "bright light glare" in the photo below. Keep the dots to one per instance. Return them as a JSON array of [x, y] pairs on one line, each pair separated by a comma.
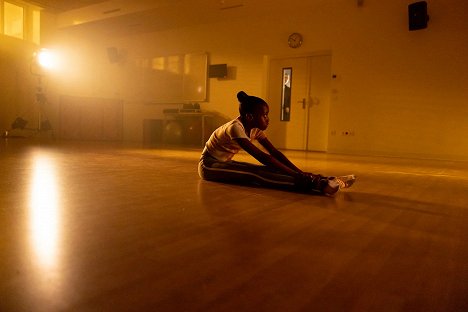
[[44, 212], [47, 59]]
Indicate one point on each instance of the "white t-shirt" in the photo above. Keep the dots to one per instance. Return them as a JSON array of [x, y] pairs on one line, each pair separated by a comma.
[[221, 144]]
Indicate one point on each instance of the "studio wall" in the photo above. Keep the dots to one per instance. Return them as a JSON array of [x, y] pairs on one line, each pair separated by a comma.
[[17, 84], [401, 93]]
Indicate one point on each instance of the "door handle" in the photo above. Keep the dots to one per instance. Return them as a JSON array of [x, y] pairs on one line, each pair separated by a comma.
[[303, 101]]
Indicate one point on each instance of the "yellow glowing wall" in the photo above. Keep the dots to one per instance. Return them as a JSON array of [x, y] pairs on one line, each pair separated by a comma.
[[17, 85], [401, 93]]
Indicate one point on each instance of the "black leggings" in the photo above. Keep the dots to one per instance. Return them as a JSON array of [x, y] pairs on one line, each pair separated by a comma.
[[209, 168]]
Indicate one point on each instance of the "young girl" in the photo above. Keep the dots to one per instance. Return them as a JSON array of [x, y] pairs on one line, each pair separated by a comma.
[[216, 162]]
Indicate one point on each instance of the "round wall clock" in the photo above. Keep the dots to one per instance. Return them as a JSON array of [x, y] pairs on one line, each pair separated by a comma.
[[295, 40]]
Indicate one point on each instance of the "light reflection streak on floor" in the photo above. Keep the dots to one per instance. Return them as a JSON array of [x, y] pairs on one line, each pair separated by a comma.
[[44, 213]]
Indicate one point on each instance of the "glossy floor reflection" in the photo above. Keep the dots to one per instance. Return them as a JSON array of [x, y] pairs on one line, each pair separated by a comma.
[[44, 211], [97, 227]]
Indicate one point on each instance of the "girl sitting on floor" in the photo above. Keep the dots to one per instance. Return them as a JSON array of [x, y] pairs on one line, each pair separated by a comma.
[[277, 171]]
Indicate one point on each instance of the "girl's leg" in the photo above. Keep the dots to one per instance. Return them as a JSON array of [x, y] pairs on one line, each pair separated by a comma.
[[211, 169], [243, 173]]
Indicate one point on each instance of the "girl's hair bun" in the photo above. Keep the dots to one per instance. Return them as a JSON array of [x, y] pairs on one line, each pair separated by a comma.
[[242, 96], [248, 103]]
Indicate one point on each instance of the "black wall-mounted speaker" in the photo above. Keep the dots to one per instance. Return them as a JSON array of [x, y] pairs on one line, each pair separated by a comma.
[[217, 71], [417, 15]]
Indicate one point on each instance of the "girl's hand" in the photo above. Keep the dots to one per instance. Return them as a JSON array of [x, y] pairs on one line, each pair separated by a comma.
[[312, 175], [308, 181]]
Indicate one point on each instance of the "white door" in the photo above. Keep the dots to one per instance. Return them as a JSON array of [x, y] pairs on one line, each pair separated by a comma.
[[307, 127], [319, 103], [289, 134]]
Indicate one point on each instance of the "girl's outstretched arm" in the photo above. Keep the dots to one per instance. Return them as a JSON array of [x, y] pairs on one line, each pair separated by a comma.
[[277, 154], [269, 160]]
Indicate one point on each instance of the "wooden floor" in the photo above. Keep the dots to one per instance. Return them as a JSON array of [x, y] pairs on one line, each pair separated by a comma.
[[107, 228]]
